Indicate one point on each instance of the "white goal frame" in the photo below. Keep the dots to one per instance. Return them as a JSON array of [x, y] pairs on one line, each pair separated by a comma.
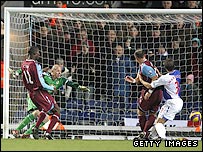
[[7, 12]]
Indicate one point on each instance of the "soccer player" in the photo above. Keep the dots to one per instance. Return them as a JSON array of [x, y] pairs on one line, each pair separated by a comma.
[[171, 93], [52, 78], [38, 91], [150, 99]]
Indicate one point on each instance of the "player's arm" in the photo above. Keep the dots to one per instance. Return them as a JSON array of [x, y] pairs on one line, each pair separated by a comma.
[[42, 81], [132, 80], [146, 84], [154, 84], [157, 71], [76, 85], [46, 69], [14, 73]]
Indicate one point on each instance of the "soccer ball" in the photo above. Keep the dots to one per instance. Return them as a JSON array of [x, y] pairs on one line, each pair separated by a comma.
[[195, 116]]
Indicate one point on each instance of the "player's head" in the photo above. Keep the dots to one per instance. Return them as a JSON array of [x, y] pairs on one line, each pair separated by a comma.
[[56, 71], [33, 53], [139, 55], [169, 64]]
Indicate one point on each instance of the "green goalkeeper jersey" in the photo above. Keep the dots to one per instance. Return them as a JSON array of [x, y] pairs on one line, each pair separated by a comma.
[[59, 82]]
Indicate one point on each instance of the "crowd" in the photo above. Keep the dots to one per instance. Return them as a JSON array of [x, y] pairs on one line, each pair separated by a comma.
[[99, 54]]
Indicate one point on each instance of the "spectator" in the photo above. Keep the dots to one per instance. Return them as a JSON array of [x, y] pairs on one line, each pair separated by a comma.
[[135, 38], [107, 5], [65, 49], [121, 65], [83, 45], [179, 4], [61, 4], [184, 30], [167, 4], [106, 54], [161, 55], [189, 90], [126, 28], [162, 52], [75, 31], [177, 53], [154, 39], [83, 62], [99, 34], [44, 41], [192, 5], [128, 50], [195, 56]]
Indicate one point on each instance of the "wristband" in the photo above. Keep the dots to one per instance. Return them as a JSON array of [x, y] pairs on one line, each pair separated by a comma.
[[150, 91]]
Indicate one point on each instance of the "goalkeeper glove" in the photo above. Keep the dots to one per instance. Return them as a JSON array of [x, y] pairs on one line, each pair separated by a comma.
[[83, 88], [13, 73]]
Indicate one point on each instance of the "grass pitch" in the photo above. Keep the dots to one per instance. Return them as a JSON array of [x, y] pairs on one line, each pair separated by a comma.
[[84, 145]]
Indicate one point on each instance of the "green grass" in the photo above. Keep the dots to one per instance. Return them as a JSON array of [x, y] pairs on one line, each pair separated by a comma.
[[84, 145]]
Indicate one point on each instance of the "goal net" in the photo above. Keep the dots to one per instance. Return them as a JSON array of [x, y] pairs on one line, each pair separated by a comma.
[[96, 47]]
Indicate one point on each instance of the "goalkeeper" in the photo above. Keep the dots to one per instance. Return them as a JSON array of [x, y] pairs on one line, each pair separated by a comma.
[[51, 77]]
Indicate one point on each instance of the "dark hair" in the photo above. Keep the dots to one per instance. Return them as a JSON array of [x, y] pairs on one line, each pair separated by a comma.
[[60, 1], [33, 50], [169, 64], [139, 53]]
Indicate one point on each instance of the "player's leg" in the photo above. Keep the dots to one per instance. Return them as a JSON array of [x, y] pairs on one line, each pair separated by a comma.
[[29, 131], [167, 112], [41, 99], [149, 123], [153, 106], [153, 134], [141, 110], [160, 128], [54, 119], [29, 118]]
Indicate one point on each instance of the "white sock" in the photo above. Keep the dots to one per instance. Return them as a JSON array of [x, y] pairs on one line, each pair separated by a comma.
[[153, 133], [161, 131]]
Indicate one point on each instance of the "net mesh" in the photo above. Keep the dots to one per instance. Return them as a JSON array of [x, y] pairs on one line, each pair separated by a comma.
[[97, 51]]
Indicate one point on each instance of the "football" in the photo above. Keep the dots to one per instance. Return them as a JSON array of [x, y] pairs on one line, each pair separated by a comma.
[[195, 116]]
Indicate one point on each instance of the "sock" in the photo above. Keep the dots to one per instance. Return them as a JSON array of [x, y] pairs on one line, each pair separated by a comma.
[[153, 133], [161, 130], [42, 115], [142, 121], [149, 123], [25, 121], [29, 131], [53, 121]]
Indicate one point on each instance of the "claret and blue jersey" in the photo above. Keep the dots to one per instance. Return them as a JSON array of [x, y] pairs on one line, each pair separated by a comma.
[[147, 71]]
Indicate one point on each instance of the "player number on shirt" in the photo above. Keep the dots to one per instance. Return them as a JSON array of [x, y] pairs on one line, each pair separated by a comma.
[[27, 77], [177, 87]]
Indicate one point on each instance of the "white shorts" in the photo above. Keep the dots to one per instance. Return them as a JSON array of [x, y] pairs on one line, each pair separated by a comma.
[[171, 108]]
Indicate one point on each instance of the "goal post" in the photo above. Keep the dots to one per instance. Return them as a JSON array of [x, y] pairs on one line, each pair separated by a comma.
[[83, 114]]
